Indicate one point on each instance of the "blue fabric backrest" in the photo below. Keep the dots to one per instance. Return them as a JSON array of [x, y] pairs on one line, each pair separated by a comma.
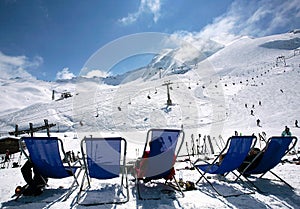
[[162, 152], [272, 156], [237, 152], [103, 157], [45, 155]]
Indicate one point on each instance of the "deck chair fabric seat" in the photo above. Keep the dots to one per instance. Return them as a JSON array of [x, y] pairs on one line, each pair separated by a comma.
[[45, 154], [103, 163], [239, 147], [104, 159], [47, 160], [161, 157], [236, 148], [276, 148]]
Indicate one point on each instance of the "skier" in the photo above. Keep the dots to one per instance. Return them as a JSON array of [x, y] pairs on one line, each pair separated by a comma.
[[258, 122], [6, 159], [7, 156], [286, 132], [296, 123]]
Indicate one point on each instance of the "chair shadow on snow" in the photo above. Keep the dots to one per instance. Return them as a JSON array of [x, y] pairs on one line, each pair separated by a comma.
[[225, 187], [274, 190], [110, 192], [46, 199], [166, 194], [280, 191]]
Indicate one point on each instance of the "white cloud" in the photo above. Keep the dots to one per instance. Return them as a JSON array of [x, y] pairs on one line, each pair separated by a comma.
[[12, 61], [146, 7], [251, 18], [17, 66], [97, 73], [65, 74], [36, 62]]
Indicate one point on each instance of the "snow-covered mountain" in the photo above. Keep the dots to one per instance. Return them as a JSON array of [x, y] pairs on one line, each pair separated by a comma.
[[208, 94], [250, 79]]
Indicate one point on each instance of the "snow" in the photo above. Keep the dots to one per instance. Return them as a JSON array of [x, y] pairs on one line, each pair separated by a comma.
[[209, 99]]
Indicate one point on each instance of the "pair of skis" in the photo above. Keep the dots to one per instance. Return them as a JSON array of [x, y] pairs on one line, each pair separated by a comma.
[[197, 149]]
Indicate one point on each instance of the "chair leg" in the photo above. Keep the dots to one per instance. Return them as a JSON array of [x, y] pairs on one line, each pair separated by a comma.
[[139, 192], [72, 187], [202, 175], [126, 185], [260, 177], [282, 180], [245, 182], [258, 189], [178, 187], [214, 188]]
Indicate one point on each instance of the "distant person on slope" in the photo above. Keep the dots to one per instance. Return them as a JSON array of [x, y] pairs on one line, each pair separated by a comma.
[[286, 132], [6, 159], [258, 122], [7, 156]]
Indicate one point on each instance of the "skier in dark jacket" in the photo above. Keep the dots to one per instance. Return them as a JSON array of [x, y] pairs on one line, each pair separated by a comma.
[[286, 132]]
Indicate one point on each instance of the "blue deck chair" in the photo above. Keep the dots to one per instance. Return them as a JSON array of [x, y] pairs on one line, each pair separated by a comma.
[[103, 160], [236, 148], [45, 154], [160, 160], [276, 148]]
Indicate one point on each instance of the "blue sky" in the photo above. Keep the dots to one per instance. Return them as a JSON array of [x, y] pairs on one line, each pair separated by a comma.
[[54, 38]]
